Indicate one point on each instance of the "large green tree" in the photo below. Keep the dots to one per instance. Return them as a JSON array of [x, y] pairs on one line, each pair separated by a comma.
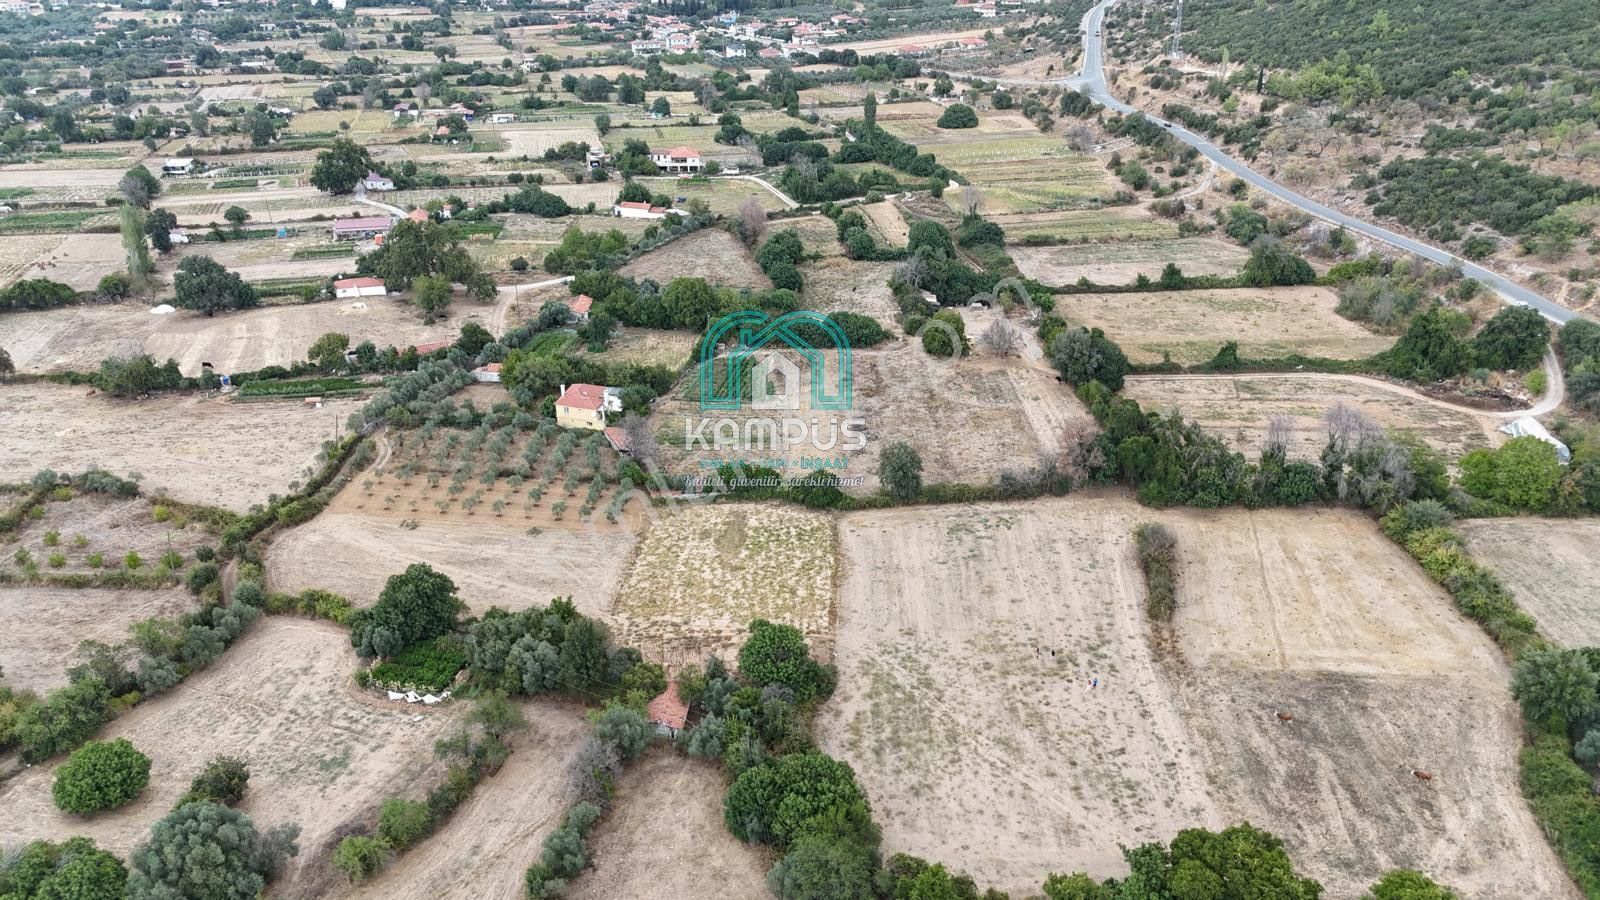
[[1428, 351], [1083, 355], [796, 795], [416, 605], [900, 470], [203, 851], [203, 285], [414, 249], [1406, 884], [341, 167], [824, 867], [1523, 472], [1514, 339], [777, 654], [1555, 684], [74, 870]]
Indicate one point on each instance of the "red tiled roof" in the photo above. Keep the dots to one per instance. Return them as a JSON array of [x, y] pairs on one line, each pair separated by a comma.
[[683, 151], [358, 283], [617, 437], [580, 304], [418, 215], [490, 367], [582, 396], [363, 224], [668, 708], [423, 349], [633, 204]]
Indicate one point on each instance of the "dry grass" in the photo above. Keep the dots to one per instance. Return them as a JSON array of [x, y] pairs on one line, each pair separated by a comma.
[[56, 620], [1551, 567], [1237, 409], [710, 253], [702, 573], [1190, 326], [1122, 263], [187, 446], [839, 284]]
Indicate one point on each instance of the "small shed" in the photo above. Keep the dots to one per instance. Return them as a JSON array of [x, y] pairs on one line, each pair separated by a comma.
[[487, 374], [668, 712], [346, 288]]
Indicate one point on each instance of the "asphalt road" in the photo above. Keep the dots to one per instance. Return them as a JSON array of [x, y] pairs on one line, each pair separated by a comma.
[[1092, 76]]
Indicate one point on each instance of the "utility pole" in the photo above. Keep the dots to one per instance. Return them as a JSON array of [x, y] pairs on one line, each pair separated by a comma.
[[1177, 32]]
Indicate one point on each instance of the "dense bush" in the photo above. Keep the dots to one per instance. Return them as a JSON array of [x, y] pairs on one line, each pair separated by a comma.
[[958, 115], [1157, 547], [360, 857], [1428, 351], [63, 720], [202, 849], [222, 781], [73, 870], [777, 654], [430, 665], [544, 649], [416, 605], [1442, 192], [37, 293], [1523, 473], [100, 775], [1241, 861], [1082, 355], [1514, 339], [796, 795]]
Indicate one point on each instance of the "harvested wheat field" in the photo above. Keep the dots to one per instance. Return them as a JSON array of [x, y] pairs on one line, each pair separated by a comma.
[[1310, 613], [78, 337], [492, 565], [210, 451], [965, 644], [1551, 567], [1236, 408], [703, 572], [93, 533], [1190, 326], [1122, 262], [710, 253], [56, 620], [282, 697], [664, 838], [487, 845]]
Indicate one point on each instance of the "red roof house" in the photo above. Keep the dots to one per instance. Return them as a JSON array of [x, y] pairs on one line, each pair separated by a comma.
[[667, 711], [580, 305]]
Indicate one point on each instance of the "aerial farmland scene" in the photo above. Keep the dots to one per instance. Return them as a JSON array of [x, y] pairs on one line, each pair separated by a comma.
[[786, 450]]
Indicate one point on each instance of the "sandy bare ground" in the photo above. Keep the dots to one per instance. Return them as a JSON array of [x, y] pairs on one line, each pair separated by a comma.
[[78, 337], [966, 640], [79, 260], [492, 565], [886, 220], [108, 526], [210, 451], [929, 40], [1551, 567], [969, 419], [664, 838], [282, 698], [55, 620], [1237, 409], [1192, 325], [703, 572], [1121, 263], [710, 253], [491, 840]]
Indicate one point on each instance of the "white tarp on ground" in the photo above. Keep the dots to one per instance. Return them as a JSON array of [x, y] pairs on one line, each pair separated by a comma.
[[1528, 426], [162, 310]]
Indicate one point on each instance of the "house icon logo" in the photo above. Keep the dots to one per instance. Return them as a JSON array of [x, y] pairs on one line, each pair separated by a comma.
[[770, 352]]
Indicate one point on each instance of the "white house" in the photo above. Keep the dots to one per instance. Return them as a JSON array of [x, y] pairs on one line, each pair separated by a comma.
[[678, 160], [502, 118], [645, 46], [633, 210], [349, 288], [376, 182], [181, 165], [1528, 426], [734, 51], [401, 110], [488, 374]]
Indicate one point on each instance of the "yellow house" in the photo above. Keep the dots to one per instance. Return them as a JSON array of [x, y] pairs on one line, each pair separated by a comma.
[[586, 405]]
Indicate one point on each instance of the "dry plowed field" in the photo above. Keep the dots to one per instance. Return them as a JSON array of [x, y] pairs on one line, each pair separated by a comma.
[[966, 638], [1552, 567], [55, 620], [282, 698], [710, 253]]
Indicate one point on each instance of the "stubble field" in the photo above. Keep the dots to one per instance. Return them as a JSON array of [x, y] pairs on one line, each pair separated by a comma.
[[1190, 326], [1237, 409], [1551, 567], [56, 620], [210, 451], [710, 253], [1122, 263], [1018, 768]]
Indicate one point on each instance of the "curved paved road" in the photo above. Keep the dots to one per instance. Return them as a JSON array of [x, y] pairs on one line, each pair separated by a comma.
[[1092, 77]]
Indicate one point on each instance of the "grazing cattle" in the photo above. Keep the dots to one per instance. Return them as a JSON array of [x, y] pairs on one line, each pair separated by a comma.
[[1421, 775], [1285, 717]]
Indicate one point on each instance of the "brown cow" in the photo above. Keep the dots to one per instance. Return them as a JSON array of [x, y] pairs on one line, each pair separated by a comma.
[[1285, 717], [1421, 775]]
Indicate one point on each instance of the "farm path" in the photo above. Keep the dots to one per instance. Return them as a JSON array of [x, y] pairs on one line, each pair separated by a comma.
[[505, 295]]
